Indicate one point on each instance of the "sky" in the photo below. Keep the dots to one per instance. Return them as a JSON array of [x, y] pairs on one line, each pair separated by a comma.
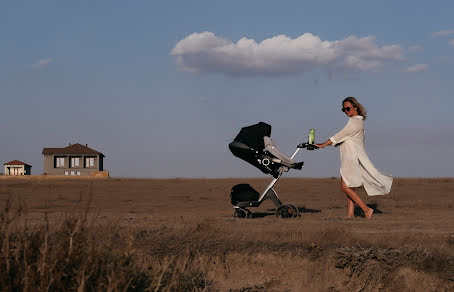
[[162, 87]]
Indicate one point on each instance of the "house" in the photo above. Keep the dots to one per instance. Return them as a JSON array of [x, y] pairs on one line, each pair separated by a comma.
[[74, 159], [17, 167]]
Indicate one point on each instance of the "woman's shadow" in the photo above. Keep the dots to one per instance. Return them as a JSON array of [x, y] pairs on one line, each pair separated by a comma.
[[360, 213]]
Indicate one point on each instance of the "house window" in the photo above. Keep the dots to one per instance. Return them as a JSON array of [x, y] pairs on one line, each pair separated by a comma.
[[78, 173], [59, 162], [75, 161], [66, 173], [89, 162], [72, 172]]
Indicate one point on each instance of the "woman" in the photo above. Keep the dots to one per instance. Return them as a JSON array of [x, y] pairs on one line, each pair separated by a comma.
[[356, 168]]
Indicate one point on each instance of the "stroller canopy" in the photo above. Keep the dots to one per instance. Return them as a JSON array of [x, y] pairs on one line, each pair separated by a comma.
[[252, 136], [254, 145], [249, 145]]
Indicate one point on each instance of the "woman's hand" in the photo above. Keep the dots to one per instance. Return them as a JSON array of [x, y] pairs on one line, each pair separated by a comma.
[[320, 145]]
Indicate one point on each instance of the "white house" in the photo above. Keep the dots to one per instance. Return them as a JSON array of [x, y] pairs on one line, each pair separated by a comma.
[[17, 167]]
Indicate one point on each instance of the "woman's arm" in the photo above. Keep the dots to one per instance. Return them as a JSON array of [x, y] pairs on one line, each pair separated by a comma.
[[327, 143], [352, 127]]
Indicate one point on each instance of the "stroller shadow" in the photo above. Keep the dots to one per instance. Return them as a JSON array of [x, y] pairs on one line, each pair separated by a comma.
[[262, 214], [360, 213], [303, 209], [271, 212]]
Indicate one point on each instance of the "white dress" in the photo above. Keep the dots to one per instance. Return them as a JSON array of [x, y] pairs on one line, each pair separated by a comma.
[[356, 168]]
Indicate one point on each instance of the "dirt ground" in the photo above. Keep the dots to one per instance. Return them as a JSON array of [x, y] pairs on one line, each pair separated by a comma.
[[408, 245]]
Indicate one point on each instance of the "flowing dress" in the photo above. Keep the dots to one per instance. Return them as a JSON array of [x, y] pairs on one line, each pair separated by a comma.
[[356, 168]]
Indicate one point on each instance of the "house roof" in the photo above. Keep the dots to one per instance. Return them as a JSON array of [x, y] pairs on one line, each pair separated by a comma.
[[16, 162], [71, 149]]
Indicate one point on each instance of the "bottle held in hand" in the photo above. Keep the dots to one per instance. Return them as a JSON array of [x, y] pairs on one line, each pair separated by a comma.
[[311, 136]]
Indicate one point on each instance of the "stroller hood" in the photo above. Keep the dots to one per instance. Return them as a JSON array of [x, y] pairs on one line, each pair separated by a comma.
[[252, 136], [254, 145], [249, 145]]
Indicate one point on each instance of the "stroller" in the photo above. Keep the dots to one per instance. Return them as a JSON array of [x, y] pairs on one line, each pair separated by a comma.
[[254, 145]]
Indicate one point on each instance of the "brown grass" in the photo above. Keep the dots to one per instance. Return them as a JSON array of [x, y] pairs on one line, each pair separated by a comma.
[[78, 255], [178, 235]]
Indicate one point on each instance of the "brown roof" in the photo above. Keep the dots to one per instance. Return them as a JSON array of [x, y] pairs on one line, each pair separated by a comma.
[[16, 162], [71, 149]]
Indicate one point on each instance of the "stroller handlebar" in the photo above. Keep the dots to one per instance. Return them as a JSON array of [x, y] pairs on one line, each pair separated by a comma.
[[307, 146]]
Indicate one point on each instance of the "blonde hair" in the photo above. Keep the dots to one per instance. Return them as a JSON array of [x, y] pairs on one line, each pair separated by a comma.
[[359, 107]]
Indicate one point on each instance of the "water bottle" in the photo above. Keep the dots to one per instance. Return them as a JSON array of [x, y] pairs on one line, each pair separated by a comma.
[[311, 136]]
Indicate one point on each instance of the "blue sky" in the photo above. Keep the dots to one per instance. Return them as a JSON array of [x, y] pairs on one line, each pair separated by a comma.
[[162, 87]]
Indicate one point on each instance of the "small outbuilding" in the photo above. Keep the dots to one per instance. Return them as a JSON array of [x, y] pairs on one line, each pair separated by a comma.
[[17, 167]]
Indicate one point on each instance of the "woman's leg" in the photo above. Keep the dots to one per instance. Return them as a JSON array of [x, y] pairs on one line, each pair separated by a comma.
[[356, 199], [351, 208]]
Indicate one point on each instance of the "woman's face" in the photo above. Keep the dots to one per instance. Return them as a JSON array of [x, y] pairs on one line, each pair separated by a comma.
[[349, 110]]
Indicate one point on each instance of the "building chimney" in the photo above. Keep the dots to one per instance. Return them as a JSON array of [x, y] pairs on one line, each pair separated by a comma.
[[86, 145]]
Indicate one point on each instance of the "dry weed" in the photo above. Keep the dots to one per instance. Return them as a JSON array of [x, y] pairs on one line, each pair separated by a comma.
[[369, 268], [77, 256]]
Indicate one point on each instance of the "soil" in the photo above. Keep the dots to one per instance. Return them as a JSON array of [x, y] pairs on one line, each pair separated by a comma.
[[407, 245]]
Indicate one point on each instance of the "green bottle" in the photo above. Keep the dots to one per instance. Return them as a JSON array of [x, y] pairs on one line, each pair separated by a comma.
[[311, 136]]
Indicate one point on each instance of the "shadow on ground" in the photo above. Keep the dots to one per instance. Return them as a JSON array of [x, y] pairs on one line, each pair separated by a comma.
[[360, 213], [272, 212]]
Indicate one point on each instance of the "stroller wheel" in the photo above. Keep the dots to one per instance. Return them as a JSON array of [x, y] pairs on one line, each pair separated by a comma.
[[295, 210], [242, 213], [285, 211]]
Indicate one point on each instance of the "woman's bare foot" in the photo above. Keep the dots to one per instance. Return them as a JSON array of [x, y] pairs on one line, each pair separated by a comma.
[[369, 213]]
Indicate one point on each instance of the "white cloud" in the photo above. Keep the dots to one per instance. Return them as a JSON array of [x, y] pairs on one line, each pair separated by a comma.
[[443, 32], [42, 63], [451, 42], [281, 55], [416, 68], [415, 49]]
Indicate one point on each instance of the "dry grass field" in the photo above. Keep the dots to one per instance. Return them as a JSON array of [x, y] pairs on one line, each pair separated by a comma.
[[180, 235]]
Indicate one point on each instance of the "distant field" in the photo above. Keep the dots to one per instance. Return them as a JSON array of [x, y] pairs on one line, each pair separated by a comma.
[[408, 245]]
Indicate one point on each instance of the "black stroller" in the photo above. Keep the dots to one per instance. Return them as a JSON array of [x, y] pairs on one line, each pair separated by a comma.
[[254, 145]]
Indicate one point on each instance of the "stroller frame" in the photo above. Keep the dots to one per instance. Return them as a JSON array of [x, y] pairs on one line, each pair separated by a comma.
[[284, 211]]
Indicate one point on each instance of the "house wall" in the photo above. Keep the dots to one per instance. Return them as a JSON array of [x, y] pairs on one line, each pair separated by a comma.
[[51, 169], [20, 170], [28, 170], [48, 164], [101, 163]]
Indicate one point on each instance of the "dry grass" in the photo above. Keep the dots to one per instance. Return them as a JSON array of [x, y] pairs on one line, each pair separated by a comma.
[[368, 262], [65, 238], [78, 255]]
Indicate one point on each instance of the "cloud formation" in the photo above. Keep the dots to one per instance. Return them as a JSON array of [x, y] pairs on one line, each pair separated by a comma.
[[42, 63], [415, 49], [451, 42], [443, 32], [281, 55], [416, 68]]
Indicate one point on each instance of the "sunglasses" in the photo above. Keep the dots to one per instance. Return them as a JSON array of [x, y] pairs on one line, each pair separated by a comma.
[[346, 109]]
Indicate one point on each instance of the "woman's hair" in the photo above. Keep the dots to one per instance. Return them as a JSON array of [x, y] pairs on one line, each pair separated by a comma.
[[359, 107]]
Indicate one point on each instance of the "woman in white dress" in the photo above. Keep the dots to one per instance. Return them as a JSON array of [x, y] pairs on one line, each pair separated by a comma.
[[356, 168]]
